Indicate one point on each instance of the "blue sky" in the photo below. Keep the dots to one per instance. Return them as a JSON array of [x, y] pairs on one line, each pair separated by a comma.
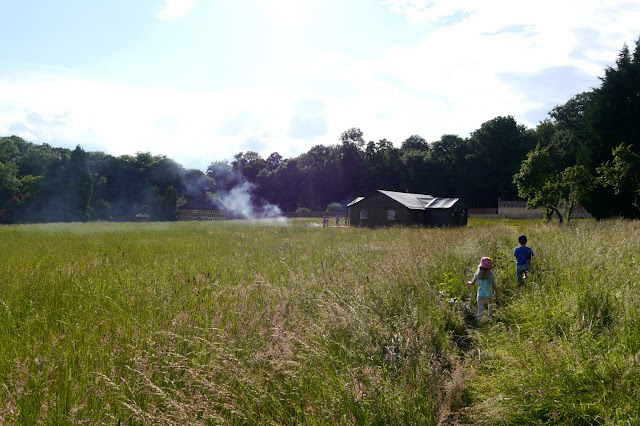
[[201, 80]]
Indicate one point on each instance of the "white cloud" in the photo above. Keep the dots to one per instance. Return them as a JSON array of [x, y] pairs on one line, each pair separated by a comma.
[[546, 30], [187, 126], [458, 71], [288, 14], [174, 9]]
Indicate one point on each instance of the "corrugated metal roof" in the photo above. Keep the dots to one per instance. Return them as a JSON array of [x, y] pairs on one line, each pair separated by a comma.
[[411, 201], [442, 203], [414, 201], [357, 200]]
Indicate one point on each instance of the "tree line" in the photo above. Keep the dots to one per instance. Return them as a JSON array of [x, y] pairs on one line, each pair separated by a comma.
[[586, 152]]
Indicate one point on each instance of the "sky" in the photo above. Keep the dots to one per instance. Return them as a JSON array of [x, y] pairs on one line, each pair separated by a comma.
[[201, 80]]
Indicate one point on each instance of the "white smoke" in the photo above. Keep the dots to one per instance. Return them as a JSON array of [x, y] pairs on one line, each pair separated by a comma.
[[239, 200]]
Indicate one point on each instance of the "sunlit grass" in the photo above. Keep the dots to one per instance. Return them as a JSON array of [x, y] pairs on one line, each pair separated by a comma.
[[233, 322], [566, 348]]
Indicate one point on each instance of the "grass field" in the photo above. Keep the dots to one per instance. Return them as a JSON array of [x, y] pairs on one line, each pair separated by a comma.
[[236, 323]]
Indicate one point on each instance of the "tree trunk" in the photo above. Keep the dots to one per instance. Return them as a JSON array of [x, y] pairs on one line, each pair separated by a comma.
[[557, 211]]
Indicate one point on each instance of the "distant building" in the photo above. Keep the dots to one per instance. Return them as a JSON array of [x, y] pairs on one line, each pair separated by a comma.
[[204, 209], [517, 209], [388, 208]]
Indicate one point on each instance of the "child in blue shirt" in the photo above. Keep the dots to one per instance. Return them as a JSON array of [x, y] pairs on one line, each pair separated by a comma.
[[523, 255], [486, 285]]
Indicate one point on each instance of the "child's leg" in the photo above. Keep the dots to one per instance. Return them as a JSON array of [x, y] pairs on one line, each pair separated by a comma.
[[525, 272], [480, 307], [519, 276]]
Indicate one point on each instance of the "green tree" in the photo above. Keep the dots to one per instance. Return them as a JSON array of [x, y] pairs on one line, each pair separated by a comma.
[[288, 183], [35, 159], [576, 182], [496, 151], [10, 184], [224, 175], [590, 126], [622, 173], [154, 204], [170, 204], [319, 177], [415, 143], [447, 170], [162, 207], [350, 164], [196, 184], [100, 210], [414, 171], [163, 172], [10, 148], [615, 115], [249, 164], [79, 181], [381, 166], [539, 182], [570, 130], [335, 207], [274, 160]]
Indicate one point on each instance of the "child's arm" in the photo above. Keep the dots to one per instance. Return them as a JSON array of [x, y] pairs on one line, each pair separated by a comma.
[[470, 283], [495, 290]]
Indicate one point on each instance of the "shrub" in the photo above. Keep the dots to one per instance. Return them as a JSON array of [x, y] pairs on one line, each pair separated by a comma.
[[335, 207]]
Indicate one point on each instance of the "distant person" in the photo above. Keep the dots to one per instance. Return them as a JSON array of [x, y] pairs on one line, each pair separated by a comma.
[[523, 255], [486, 285]]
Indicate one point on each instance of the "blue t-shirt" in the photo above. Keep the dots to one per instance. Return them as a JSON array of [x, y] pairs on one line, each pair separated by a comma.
[[484, 285], [523, 255]]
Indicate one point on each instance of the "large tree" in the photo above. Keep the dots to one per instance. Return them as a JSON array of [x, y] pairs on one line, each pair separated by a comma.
[[381, 167], [622, 174], [350, 165], [319, 174], [496, 150], [539, 182]]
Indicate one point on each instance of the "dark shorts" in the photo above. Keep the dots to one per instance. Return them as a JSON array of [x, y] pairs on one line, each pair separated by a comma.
[[520, 270]]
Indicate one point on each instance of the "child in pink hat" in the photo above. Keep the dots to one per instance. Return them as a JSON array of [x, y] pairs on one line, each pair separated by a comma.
[[486, 285]]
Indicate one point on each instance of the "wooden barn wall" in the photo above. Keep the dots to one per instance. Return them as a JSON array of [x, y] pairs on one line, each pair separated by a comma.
[[377, 216], [438, 217], [453, 216]]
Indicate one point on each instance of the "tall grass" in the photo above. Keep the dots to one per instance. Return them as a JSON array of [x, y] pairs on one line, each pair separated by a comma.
[[231, 323], [566, 348]]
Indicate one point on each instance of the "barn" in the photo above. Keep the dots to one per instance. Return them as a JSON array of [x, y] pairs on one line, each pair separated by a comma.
[[388, 208], [204, 209]]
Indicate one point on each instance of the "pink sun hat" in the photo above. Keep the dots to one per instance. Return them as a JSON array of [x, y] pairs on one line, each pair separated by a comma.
[[485, 263]]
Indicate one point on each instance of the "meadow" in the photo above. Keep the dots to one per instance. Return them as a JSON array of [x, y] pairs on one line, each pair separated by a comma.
[[237, 323]]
